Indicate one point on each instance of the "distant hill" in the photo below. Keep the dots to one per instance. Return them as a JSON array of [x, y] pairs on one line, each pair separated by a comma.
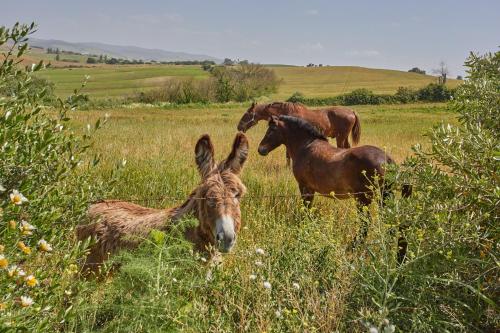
[[117, 51]]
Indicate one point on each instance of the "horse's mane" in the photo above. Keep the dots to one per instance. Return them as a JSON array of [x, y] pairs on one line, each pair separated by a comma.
[[287, 106], [302, 124]]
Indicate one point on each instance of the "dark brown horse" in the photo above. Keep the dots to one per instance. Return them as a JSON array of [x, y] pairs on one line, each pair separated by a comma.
[[319, 167], [335, 122]]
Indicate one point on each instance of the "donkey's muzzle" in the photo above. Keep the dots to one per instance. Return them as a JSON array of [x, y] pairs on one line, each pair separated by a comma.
[[225, 234]]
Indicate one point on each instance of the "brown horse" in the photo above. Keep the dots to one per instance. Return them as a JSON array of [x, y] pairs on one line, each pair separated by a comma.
[[215, 203], [335, 122], [320, 167]]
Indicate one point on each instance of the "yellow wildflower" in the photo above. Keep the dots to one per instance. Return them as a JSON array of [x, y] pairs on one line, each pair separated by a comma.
[[31, 281], [3, 306], [3, 261], [44, 246], [17, 198], [12, 224], [23, 247]]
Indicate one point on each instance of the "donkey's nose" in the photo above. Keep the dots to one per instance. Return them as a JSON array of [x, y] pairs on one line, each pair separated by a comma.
[[225, 234]]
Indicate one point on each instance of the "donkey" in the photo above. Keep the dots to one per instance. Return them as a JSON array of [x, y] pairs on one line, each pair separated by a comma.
[[215, 203], [335, 122], [320, 167]]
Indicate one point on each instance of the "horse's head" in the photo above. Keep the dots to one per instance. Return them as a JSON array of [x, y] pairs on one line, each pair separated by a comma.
[[220, 192], [249, 118], [273, 137]]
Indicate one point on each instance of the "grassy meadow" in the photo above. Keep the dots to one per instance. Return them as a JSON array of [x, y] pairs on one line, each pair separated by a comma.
[[164, 287], [115, 81]]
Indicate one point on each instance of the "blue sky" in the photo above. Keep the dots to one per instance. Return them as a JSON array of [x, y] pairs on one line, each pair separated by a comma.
[[381, 34]]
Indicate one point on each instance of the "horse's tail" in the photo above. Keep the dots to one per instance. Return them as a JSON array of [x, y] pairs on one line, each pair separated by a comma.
[[356, 130]]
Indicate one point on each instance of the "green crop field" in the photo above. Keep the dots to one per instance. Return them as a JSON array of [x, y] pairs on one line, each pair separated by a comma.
[[306, 258], [117, 81]]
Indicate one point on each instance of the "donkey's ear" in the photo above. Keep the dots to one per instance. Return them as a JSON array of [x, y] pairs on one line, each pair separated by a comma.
[[238, 155], [204, 151]]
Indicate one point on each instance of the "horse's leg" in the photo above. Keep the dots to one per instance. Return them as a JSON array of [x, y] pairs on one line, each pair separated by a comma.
[[342, 141], [287, 158], [307, 196], [362, 202]]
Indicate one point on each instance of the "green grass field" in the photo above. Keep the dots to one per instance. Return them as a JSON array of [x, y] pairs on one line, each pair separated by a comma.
[[119, 81], [168, 289]]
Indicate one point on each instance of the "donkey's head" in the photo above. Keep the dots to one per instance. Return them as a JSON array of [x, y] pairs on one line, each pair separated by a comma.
[[249, 118], [220, 192]]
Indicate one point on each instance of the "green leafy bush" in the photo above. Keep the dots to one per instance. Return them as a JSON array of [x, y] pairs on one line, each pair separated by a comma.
[[44, 192], [449, 281], [434, 93]]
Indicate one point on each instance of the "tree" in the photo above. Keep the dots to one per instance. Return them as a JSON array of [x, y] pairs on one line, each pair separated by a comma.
[[416, 70], [91, 60], [459, 77], [442, 71], [228, 62], [58, 57]]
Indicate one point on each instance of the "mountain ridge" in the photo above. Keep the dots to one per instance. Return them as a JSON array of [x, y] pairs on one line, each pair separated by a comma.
[[120, 51]]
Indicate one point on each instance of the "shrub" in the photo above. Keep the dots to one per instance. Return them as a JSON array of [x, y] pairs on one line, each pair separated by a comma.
[[44, 192], [434, 93], [360, 97], [417, 70], [450, 279], [239, 83], [91, 60], [405, 95], [35, 86]]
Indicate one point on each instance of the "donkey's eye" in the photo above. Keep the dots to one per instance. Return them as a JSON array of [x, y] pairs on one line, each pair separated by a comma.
[[211, 202]]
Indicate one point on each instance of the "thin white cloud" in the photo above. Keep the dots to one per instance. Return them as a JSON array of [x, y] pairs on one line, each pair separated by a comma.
[[312, 46], [363, 53], [312, 12]]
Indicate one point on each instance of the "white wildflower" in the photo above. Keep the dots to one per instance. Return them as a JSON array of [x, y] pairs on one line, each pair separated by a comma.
[[26, 228], [174, 280], [296, 285], [267, 285], [258, 263], [373, 329], [259, 251], [252, 277], [26, 301], [17, 198], [278, 314]]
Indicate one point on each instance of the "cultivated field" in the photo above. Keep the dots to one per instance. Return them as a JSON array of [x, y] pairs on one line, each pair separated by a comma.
[[166, 288], [120, 80]]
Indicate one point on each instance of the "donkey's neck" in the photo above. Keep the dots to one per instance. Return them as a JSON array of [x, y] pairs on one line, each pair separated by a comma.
[[193, 234]]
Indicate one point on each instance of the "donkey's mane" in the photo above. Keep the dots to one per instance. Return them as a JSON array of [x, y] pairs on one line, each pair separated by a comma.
[[302, 124]]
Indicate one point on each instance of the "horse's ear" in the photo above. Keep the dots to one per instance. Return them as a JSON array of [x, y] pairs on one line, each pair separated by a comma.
[[204, 152], [238, 155], [254, 103], [274, 120]]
